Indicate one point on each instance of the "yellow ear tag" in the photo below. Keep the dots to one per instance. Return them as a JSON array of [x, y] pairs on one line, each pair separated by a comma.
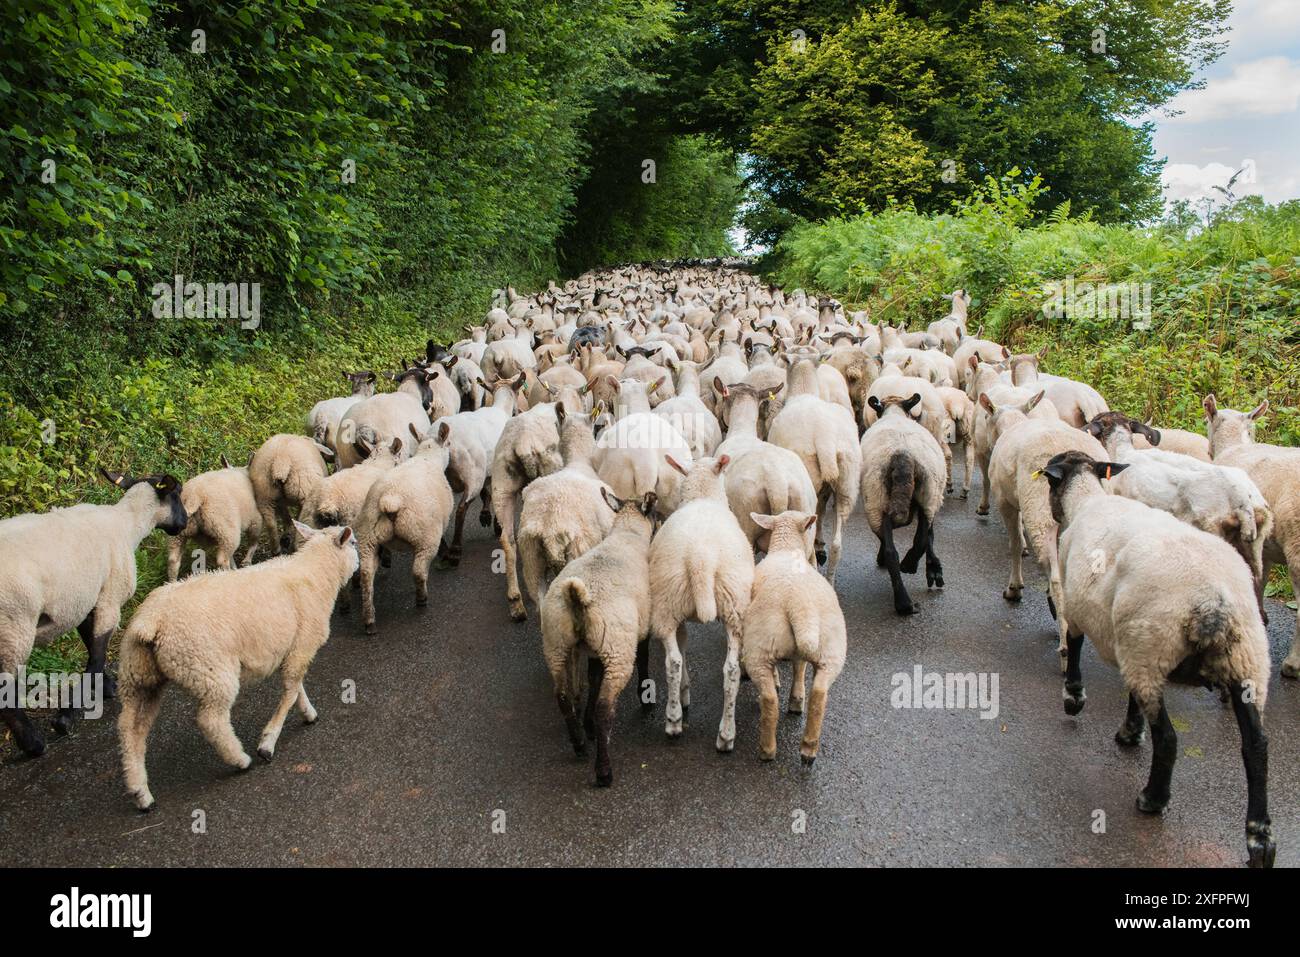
[[1036, 474], [771, 396]]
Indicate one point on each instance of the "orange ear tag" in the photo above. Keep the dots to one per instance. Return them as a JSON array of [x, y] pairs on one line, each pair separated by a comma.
[[1108, 473]]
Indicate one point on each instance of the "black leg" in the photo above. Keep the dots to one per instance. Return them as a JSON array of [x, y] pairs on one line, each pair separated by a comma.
[[595, 675], [902, 601], [1164, 750], [1254, 752], [485, 500], [933, 568], [919, 544], [604, 728], [1075, 696], [1134, 727], [643, 674], [26, 734], [571, 722]]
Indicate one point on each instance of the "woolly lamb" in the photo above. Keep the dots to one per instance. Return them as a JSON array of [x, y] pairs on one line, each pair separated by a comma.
[[1164, 602], [212, 634], [630, 454], [1276, 473], [222, 511], [701, 569], [323, 420], [390, 415], [902, 478], [600, 603], [284, 470], [75, 568], [794, 615], [411, 504], [563, 515]]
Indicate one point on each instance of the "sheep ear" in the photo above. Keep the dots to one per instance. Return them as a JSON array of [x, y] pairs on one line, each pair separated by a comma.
[[763, 521], [414, 432], [347, 377], [225, 462], [674, 463], [720, 386], [912, 403], [1211, 406], [116, 478], [812, 519], [345, 536], [1259, 410], [656, 384], [520, 382], [1104, 470], [560, 413], [873, 404], [648, 504], [974, 363], [612, 500], [305, 532], [1030, 405], [444, 433], [722, 463], [325, 451], [396, 447], [1006, 353], [987, 404], [370, 377], [1041, 352], [448, 363], [614, 383]]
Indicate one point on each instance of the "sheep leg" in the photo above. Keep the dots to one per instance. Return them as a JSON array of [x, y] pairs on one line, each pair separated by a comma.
[[644, 683], [595, 676], [1056, 595], [485, 500], [616, 675], [175, 546], [367, 573], [983, 507], [565, 697], [534, 563], [26, 734], [345, 593], [902, 601], [730, 683], [933, 567], [271, 733], [1164, 750], [769, 705], [673, 665], [214, 722], [139, 711], [272, 527], [1015, 545], [843, 509], [686, 671], [458, 536], [1254, 753], [289, 543], [798, 671], [254, 532], [96, 655], [919, 544], [1075, 696], [969, 445], [812, 730], [226, 553], [420, 572], [506, 516], [305, 706], [819, 535], [1291, 666], [1134, 727]]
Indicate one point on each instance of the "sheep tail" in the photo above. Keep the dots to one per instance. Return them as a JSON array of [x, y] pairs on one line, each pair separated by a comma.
[[1212, 627], [700, 582], [578, 597], [390, 503], [807, 635], [901, 482], [826, 460], [138, 662]]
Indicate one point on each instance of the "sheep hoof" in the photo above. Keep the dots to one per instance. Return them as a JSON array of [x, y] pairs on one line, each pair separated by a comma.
[[1147, 805], [1074, 702], [604, 780], [266, 753], [767, 755], [33, 746], [820, 554], [673, 728], [965, 493], [1290, 669], [63, 724], [244, 762], [794, 707], [579, 748], [904, 608], [485, 518], [807, 759], [1012, 593], [934, 579], [981, 509], [518, 612], [1259, 844], [1128, 738], [370, 628], [144, 803], [726, 745], [496, 528], [421, 602], [110, 686]]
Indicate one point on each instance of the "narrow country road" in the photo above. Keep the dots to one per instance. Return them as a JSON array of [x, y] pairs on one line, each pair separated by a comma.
[[455, 730]]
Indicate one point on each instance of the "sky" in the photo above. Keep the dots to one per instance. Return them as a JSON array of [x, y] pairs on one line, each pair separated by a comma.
[[1248, 110]]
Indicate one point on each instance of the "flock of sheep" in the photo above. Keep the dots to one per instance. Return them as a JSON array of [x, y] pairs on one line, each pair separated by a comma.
[[638, 436]]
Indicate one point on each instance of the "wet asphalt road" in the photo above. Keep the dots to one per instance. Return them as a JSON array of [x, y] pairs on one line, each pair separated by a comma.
[[455, 728]]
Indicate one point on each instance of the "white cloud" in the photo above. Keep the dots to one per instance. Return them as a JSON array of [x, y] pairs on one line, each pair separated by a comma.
[[1188, 181], [1266, 87]]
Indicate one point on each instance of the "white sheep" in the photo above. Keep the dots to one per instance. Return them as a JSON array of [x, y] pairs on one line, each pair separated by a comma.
[[902, 479], [75, 568], [600, 604], [630, 453], [283, 471], [794, 615], [213, 634], [222, 512], [701, 569], [562, 515], [1275, 470], [1164, 602], [411, 504], [387, 416], [825, 437], [323, 420]]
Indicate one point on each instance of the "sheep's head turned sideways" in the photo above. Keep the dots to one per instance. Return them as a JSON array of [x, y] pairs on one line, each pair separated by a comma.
[[1105, 423], [170, 516], [1063, 469], [1228, 426], [907, 405]]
